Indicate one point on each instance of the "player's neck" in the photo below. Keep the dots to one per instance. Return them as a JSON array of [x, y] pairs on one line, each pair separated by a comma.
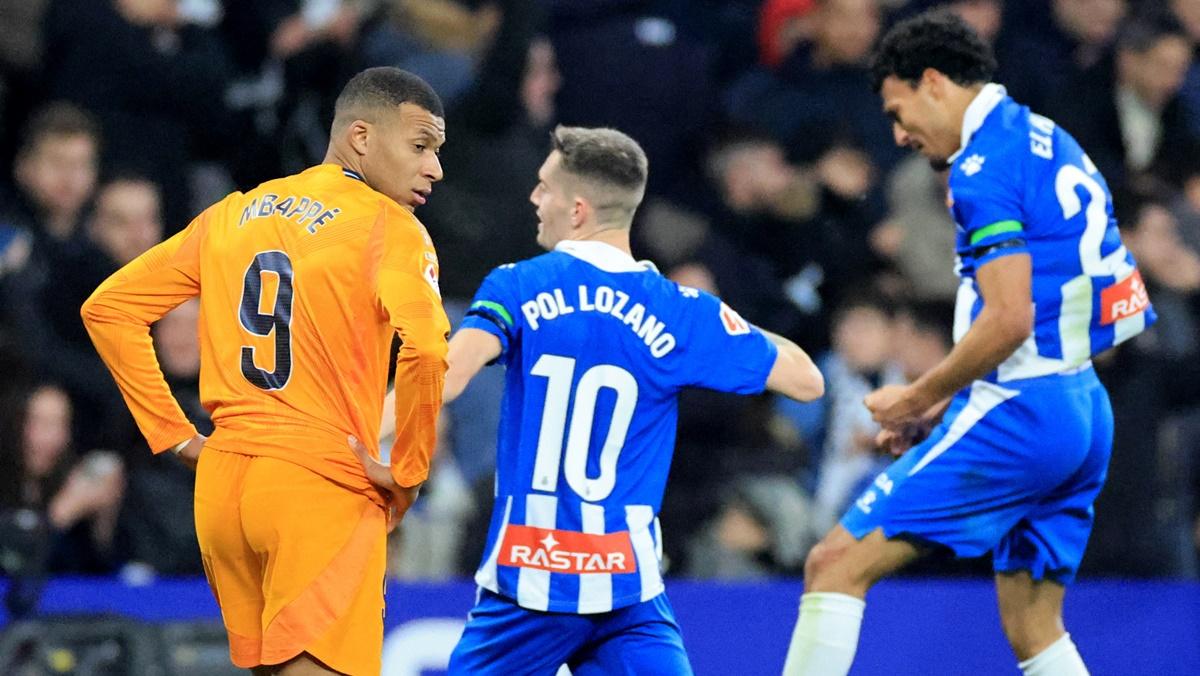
[[344, 160], [960, 101], [612, 236]]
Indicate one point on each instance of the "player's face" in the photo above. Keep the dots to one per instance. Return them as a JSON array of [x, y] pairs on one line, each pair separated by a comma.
[[554, 203], [402, 158], [919, 119]]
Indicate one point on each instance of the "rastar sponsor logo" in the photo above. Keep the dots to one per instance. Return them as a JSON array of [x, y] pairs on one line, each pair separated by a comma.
[[563, 551], [1124, 299]]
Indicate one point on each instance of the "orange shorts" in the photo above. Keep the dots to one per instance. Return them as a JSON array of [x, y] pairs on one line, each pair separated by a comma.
[[295, 561]]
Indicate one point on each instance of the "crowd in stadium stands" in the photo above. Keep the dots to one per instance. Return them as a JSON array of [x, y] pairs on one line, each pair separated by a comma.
[[774, 181]]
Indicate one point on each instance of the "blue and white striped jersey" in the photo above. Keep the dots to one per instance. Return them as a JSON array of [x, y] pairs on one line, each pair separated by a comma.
[[597, 347], [1021, 184]]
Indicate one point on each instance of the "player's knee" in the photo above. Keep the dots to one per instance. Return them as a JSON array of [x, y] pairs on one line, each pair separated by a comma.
[[1029, 632], [825, 569]]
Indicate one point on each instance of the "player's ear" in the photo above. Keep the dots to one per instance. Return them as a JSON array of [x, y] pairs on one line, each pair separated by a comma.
[[357, 134], [579, 211], [934, 82]]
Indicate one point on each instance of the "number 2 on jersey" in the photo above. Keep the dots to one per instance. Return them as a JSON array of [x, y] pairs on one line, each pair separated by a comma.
[[561, 374], [278, 320]]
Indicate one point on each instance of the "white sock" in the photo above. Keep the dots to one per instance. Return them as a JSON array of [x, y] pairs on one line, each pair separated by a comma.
[[1059, 659], [826, 635]]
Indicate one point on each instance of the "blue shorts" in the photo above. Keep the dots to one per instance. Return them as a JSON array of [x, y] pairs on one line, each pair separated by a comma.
[[503, 638], [1012, 468]]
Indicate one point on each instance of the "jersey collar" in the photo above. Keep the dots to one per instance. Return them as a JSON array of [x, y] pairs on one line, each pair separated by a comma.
[[987, 99], [604, 256]]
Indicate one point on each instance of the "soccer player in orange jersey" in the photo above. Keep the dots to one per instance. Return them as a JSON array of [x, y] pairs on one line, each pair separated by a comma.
[[302, 283]]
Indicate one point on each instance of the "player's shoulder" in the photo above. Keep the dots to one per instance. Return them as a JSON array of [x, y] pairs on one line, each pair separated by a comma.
[[997, 150]]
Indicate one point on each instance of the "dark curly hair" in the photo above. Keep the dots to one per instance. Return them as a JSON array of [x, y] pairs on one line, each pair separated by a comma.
[[934, 39]]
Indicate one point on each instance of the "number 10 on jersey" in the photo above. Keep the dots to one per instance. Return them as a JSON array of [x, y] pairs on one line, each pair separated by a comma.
[[560, 372]]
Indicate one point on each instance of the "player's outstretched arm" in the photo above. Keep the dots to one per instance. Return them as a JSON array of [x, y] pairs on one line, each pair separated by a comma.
[[1005, 321], [470, 350], [794, 374]]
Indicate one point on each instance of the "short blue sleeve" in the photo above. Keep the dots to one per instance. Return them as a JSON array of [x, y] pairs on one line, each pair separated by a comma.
[[986, 202], [495, 306], [723, 352]]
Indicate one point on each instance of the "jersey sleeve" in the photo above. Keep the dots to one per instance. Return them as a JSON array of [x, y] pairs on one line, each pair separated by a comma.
[[723, 351], [494, 308], [987, 204], [408, 292], [118, 316]]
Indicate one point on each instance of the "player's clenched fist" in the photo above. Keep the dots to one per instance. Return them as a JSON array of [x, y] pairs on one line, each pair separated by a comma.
[[894, 406]]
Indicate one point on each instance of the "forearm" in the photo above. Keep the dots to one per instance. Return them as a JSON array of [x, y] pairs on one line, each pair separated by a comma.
[[795, 374], [420, 379], [992, 338]]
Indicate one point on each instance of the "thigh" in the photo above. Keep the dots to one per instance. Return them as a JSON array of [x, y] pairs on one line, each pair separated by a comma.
[[640, 640], [1049, 541], [503, 638], [233, 569], [323, 548], [997, 452]]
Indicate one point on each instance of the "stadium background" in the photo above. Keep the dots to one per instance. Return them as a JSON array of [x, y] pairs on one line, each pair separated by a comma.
[[773, 181]]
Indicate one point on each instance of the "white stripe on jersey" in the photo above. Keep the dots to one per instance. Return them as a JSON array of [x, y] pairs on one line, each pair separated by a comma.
[[486, 575], [658, 538], [1129, 327], [984, 397], [639, 518], [595, 589], [533, 585]]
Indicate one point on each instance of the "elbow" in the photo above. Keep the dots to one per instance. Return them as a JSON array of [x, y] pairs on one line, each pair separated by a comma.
[[816, 384], [90, 312], [810, 385]]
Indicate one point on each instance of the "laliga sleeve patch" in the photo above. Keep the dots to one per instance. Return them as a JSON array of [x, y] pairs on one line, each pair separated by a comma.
[[733, 322], [431, 276]]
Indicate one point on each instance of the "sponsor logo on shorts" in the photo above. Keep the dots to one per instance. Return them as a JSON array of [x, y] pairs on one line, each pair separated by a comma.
[[563, 551], [1123, 299]]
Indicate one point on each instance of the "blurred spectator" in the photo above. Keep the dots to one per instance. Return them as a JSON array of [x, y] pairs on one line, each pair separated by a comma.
[[45, 304], [627, 67], [918, 235], [782, 26], [21, 52], [1126, 112], [820, 96], [922, 336], [1037, 61], [154, 75], [55, 173], [761, 530], [157, 525], [440, 40], [861, 361], [77, 498], [480, 214], [1154, 382]]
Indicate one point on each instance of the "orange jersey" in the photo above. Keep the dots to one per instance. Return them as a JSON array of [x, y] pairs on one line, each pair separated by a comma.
[[302, 282]]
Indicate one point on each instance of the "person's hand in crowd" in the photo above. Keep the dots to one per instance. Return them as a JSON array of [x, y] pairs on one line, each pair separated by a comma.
[[95, 484], [886, 238], [149, 12], [846, 172]]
